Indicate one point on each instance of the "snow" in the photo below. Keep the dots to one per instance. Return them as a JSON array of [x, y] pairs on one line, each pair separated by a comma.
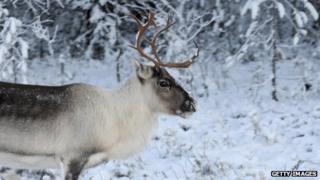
[[24, 48], [296, 39], [233, 135], [314, 13], [281, 9], [251, 28], [97, 14], [253, 6], [298, 19], [304, 17]]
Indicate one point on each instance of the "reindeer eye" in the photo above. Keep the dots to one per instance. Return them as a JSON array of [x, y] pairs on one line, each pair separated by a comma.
[[164, 83]]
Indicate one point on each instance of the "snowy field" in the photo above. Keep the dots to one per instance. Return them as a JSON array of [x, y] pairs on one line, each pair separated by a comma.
[[238, 132]]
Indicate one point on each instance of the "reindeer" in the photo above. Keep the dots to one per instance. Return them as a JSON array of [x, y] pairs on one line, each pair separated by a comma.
[[77, 126]]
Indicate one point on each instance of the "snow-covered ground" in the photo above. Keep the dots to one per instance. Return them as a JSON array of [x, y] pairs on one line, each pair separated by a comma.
[[238, 132]]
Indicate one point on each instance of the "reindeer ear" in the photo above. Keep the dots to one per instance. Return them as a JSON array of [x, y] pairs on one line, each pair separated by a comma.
[[143, 71]]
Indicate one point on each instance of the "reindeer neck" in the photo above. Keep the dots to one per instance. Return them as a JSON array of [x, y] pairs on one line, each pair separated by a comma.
[[133, 97]]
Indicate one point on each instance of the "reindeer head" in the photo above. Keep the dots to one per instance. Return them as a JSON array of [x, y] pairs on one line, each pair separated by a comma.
[[170, 97]]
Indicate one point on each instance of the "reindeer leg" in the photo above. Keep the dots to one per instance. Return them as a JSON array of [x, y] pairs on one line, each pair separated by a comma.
[[75, 167], [62, 169]]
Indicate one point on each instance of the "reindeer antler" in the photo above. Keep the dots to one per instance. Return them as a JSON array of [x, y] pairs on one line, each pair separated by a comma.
[[143, 27]]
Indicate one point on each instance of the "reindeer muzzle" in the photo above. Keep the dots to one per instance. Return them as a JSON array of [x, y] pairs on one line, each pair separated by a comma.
[[188, 106]]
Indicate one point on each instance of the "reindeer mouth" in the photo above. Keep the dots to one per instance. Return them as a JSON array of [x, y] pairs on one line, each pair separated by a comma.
[[184, 111], [182, 114]]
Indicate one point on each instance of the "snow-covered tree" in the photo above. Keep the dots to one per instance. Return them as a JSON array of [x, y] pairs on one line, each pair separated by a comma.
[[227, 32], [13, 49], [269, 18]]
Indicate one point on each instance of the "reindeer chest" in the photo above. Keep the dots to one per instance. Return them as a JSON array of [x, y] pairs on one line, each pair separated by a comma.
[[134, 135]]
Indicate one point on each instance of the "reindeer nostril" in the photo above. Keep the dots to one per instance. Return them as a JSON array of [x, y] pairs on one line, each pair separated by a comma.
[[187, 103], [188, 106], [192, 107]]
